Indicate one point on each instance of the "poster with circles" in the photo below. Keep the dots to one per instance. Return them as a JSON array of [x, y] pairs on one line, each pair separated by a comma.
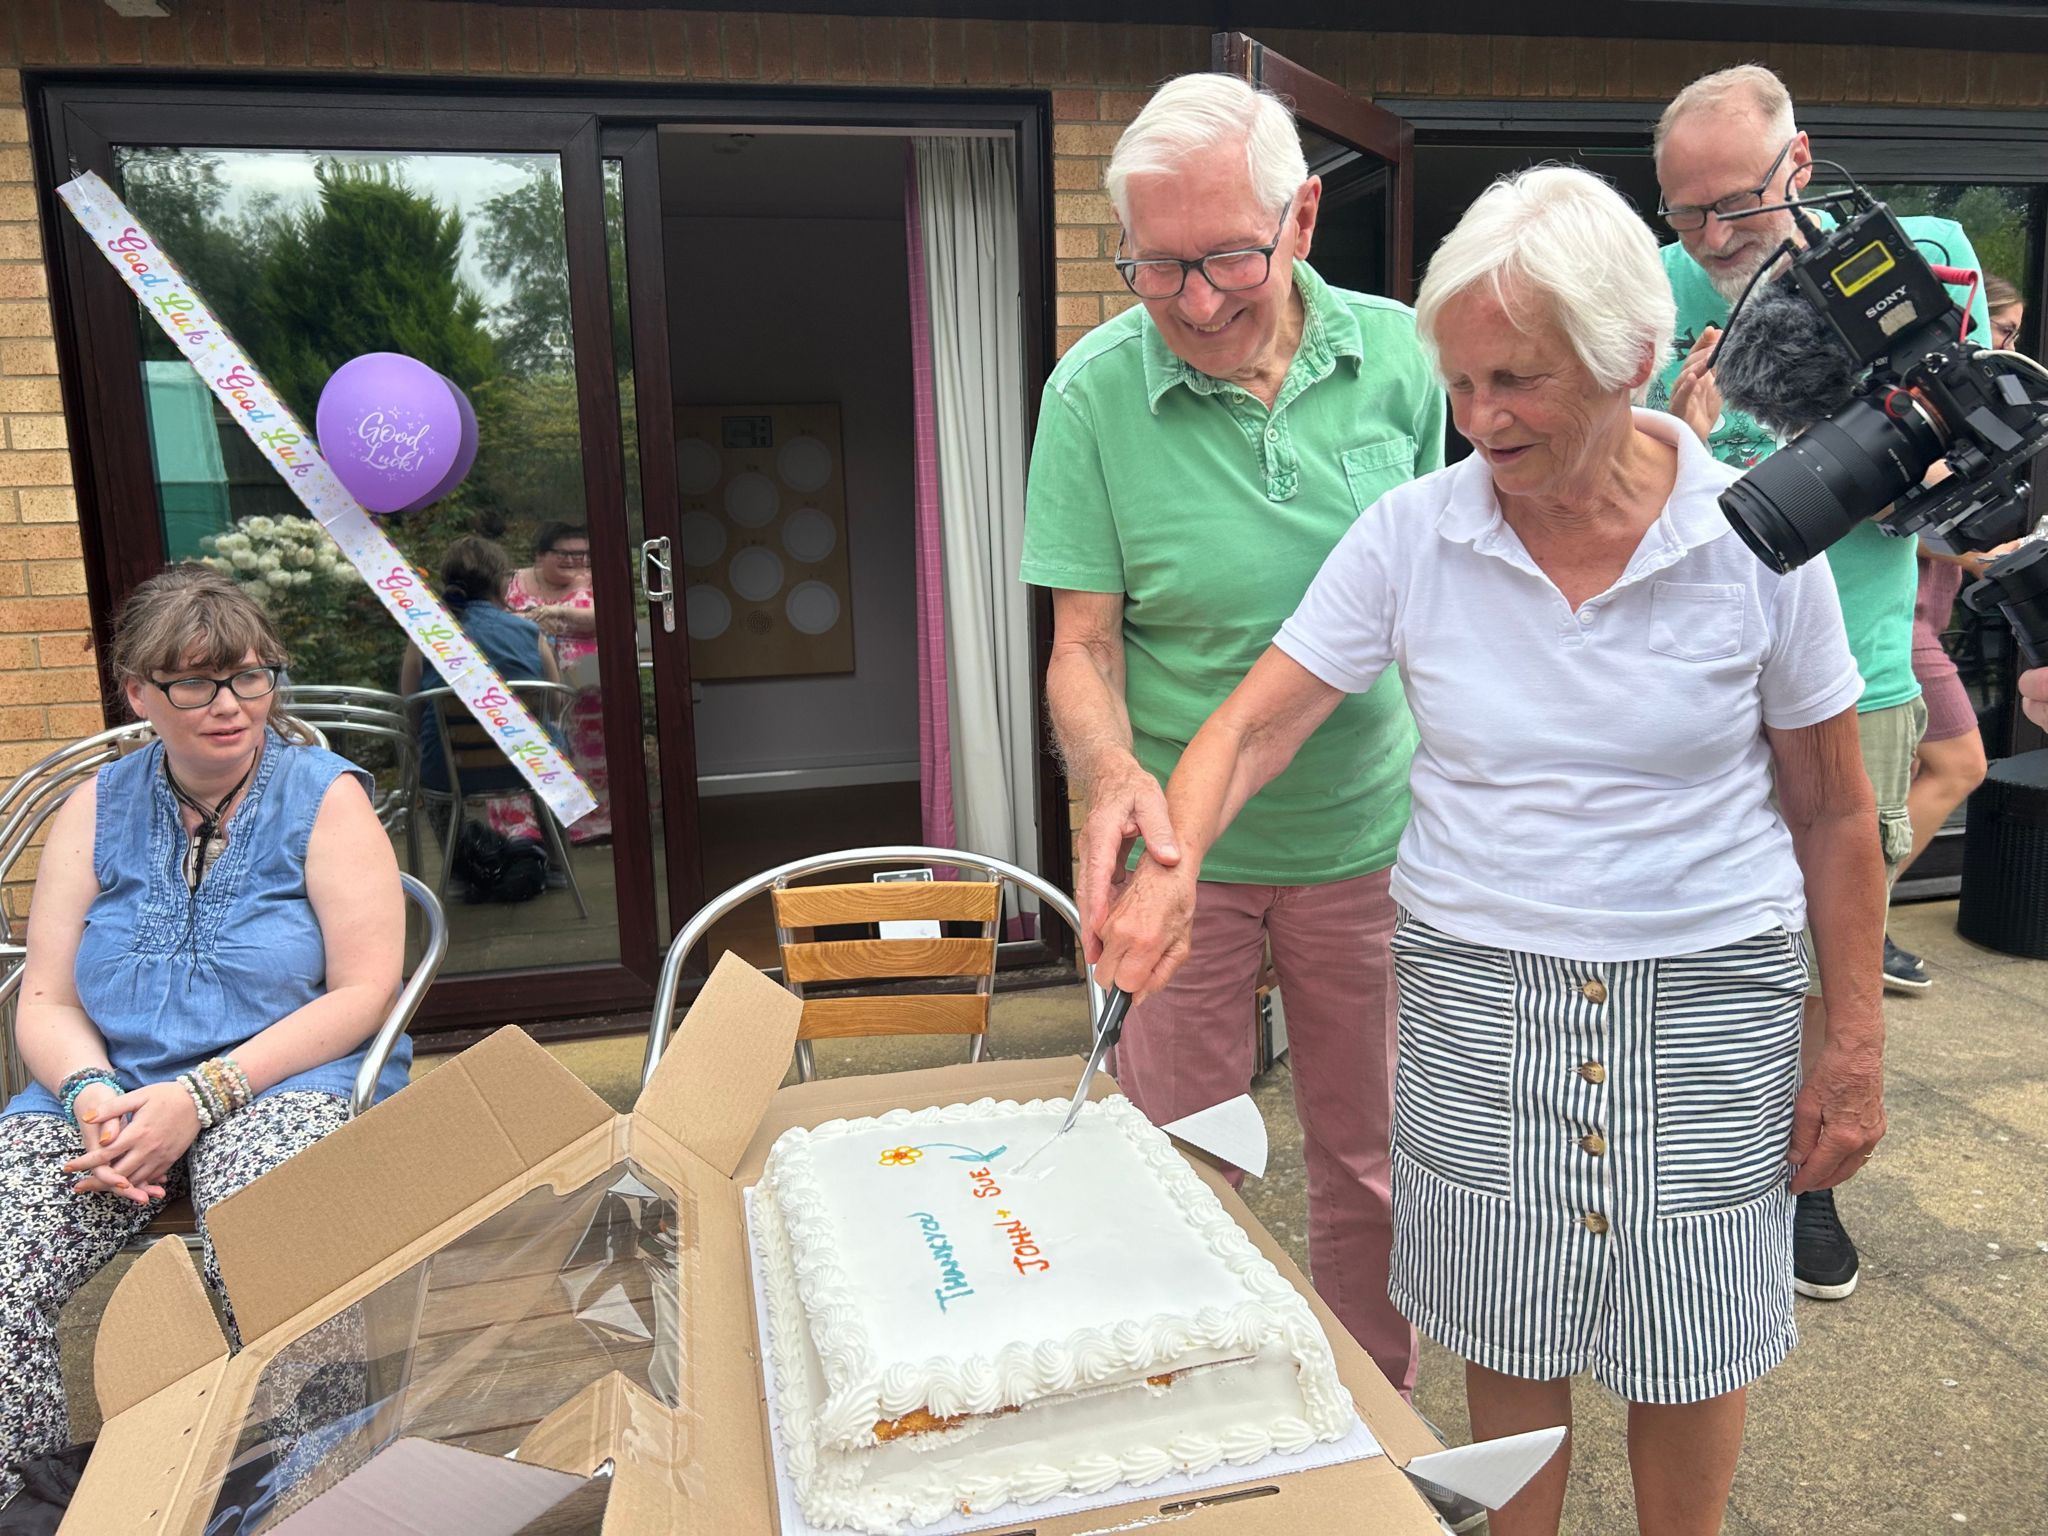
[[765, 582]]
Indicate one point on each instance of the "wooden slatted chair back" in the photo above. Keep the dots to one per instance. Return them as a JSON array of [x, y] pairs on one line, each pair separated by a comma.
[[800, 910]]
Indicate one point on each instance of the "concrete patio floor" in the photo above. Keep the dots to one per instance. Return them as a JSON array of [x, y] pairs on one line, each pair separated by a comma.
[[1917, 1405]]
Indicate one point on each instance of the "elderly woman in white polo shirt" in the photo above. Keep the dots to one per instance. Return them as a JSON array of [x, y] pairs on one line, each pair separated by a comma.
[[1599, 1121]]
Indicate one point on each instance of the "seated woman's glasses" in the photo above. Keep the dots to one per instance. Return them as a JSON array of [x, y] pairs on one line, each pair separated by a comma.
[[198, 692]]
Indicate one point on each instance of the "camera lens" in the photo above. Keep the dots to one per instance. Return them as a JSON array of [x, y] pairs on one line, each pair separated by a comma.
[[1827, 480]]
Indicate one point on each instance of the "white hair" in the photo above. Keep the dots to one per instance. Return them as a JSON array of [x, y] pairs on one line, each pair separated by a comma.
[[1197, 112], [1562, 237], [1747, 88]]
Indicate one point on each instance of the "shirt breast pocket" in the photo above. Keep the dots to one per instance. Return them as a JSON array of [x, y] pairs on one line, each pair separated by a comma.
[[1696, 621], [1373, 469]]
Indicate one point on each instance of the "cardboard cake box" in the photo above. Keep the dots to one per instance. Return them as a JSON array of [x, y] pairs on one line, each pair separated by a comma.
[[446, 1244]]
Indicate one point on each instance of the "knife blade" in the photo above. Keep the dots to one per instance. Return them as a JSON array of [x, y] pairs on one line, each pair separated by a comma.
[[1108, 1030]]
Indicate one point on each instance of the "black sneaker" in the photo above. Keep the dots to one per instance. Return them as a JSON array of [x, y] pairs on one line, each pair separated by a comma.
[[1823, 1259], [1903, 971]]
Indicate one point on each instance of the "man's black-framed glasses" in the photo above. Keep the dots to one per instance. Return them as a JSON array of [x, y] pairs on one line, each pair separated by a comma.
[[1687, 217], [1226, 271], [198, 692]]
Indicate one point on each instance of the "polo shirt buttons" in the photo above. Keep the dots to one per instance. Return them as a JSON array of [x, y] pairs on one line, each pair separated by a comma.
[[1585, 618], [1594, 1143], [1595, 990], [1272, 434], [1595, 1223], [1592, 1072]]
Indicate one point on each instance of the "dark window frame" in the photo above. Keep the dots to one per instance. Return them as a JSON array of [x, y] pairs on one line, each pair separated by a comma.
[[76, 117]]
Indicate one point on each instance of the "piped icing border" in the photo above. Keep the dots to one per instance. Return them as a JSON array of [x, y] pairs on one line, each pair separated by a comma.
[[858, 1393]]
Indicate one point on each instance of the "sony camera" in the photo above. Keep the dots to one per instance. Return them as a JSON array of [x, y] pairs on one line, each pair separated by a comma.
[[1861, 350]]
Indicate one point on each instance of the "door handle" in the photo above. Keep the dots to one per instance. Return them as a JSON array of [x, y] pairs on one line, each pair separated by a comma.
[[658, 576]]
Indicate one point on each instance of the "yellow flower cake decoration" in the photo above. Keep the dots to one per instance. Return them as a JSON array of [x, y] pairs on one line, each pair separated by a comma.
[[900, 1157]]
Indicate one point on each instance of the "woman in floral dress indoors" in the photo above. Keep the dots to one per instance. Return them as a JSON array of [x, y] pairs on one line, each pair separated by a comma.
[[555, 592]]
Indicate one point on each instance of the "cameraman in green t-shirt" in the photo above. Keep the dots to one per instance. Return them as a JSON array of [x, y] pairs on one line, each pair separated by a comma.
[[1728, 143]]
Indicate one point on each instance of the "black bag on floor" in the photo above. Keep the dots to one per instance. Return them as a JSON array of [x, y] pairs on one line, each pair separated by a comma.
[[48, 1483], [495, 868]]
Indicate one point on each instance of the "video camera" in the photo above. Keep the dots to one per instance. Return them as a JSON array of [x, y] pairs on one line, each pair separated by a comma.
[[1885, 384]]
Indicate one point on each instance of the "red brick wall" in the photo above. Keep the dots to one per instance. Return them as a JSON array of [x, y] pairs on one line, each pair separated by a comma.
[[1097, 75]]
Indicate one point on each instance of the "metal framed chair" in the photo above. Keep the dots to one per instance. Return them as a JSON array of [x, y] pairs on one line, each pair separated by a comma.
[[799, 908], [177, 1220], [30, 801], [466, 748], [340, 711]]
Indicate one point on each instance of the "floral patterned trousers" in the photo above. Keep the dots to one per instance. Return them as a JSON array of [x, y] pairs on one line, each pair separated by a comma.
[[53, 1241]]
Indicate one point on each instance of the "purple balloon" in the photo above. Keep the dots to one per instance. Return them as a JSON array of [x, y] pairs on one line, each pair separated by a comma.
[[390, 427], [465, 454]]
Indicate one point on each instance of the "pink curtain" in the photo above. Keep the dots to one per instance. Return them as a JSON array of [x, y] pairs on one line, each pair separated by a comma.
[[934, 741]]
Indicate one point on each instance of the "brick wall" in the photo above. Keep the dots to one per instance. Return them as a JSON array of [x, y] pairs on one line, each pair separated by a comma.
[[1097, 77]]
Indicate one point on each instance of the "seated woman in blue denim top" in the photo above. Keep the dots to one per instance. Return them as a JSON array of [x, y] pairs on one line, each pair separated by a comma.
[[217, 932]]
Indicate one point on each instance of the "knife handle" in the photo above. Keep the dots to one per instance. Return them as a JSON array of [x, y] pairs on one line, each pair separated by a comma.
[[1113, 1012]]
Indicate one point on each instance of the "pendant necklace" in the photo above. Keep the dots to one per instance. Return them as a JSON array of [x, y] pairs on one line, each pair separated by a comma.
[[199, 851]]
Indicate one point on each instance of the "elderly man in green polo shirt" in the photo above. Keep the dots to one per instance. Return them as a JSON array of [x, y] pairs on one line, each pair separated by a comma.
[[1197, 457], [1725, 145]]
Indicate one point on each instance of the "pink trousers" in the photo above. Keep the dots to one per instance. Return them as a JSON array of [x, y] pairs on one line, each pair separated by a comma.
[[1192, 1046]]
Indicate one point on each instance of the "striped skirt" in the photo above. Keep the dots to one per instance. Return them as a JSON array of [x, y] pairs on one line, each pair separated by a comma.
[[1589, 1160]]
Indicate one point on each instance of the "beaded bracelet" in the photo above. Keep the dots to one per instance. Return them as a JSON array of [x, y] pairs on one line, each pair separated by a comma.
[[79, 1081], [218, 1088], [216, 1094], [229, 1081], [190, 1084], [216, 1091], [216, 1101]]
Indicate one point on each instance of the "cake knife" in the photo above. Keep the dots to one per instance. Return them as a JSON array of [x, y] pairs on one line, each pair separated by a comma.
[[1107, 1032]]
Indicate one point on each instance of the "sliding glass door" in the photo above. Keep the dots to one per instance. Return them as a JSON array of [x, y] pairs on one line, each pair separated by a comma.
[[484, 245], [517, 246]]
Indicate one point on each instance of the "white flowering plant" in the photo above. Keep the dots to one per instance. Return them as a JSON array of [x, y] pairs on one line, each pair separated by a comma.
[[329, 620]]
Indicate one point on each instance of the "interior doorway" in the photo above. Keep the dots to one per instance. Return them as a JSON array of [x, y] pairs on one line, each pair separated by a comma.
[[790, 361]]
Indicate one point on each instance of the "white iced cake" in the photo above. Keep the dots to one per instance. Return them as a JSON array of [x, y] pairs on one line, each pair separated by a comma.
[[951, 1334]]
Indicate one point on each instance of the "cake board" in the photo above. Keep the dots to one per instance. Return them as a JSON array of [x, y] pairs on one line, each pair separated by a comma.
[[1372, 1493]]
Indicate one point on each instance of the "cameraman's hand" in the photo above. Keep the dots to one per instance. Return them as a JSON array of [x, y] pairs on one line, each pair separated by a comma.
[[1978, 562], [1696, 397], [2034, 695]]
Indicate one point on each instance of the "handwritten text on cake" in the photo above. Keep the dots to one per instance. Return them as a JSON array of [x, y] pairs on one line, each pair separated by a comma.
[[953, 1284]]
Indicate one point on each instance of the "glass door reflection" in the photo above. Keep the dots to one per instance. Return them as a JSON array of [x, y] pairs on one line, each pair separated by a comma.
[[459, 260]]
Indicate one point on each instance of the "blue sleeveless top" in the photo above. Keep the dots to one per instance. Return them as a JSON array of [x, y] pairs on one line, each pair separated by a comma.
[[171, 978]]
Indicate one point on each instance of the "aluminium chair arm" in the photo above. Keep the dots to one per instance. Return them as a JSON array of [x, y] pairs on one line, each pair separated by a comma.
[[385, 1041], [15, 958], [694, 931]]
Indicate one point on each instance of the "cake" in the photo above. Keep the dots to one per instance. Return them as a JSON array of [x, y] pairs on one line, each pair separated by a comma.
[[950, 1334]]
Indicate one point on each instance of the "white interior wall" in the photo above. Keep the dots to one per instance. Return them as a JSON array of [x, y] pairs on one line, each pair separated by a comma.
[[768, 310]]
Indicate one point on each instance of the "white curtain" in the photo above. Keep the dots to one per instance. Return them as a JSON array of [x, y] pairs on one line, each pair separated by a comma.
[[967, 192]]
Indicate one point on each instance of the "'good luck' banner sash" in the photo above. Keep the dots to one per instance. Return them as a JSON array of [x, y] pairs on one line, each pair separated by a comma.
[[164, 294]]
